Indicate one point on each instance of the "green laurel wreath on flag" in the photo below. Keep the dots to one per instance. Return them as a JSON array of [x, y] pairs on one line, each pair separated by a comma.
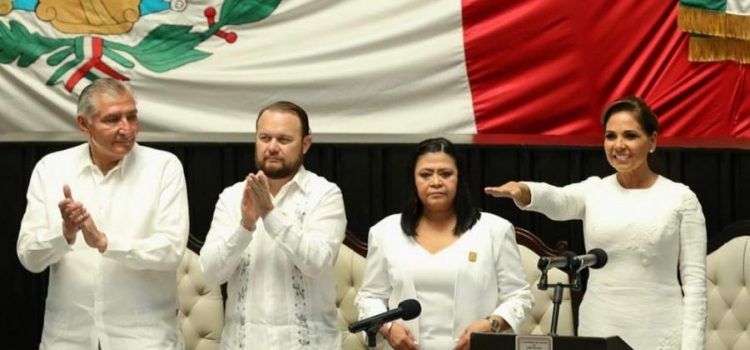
[[166, 47]]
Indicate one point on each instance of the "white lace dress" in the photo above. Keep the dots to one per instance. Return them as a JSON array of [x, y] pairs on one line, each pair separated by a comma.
[[649, 235]]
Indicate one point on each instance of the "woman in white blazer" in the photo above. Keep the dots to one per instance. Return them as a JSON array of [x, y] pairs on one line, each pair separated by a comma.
[[462, 265]]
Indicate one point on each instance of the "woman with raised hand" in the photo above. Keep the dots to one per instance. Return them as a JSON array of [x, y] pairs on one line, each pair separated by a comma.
[[651, 228]]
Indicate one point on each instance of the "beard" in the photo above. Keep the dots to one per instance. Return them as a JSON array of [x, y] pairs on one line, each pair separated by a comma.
[[286, 170]]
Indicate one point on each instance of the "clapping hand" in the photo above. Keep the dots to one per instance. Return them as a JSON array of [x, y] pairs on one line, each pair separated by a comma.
[[76, 217], [93, 237], [257, 201], [73, 214], [261, 193], [249, 212]]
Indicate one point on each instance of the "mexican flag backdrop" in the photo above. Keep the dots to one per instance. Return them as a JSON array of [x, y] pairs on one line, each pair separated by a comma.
[[361, 66]]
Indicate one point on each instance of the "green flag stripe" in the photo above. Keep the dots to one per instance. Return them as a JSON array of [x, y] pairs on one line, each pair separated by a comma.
[[708, 5]]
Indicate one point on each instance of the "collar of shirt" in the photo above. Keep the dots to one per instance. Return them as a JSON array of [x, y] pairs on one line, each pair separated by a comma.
[[84, 161], [298, 181]]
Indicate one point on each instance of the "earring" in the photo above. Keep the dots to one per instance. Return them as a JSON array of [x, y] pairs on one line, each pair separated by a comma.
[[652, 150]]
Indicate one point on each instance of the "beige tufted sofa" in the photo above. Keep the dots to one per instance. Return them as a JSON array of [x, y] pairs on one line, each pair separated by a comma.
[[727, 278], [201, 306]]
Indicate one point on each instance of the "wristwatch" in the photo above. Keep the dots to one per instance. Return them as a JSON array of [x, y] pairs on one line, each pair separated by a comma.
[[494, 324]]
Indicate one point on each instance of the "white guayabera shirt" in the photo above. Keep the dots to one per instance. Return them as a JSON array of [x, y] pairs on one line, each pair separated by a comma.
[[281, 291], [126, 297]]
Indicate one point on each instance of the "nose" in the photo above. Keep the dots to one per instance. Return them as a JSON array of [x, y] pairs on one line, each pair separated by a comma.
[[435, 181], [273, 145], [126, 126], [619, 144]]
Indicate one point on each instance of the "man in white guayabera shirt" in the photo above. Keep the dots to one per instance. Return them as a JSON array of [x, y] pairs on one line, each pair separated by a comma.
[[275, 237], [110, 219]]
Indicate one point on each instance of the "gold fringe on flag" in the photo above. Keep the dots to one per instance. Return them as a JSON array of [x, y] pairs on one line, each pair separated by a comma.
[[693, 20], [704, 49], [738, 50], [738, 26], [713, 49], [697, 21]]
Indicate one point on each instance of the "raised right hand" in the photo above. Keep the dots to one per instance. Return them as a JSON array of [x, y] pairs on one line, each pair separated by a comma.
[[516, 190]]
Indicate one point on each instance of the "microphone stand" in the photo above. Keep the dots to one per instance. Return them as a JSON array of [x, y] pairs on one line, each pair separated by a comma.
[[372, 333], [556, 297]]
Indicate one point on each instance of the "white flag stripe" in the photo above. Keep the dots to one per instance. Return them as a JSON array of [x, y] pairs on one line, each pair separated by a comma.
[[738, 7], [357, 66]]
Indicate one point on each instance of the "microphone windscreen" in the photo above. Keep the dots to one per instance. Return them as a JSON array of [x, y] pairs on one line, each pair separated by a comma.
[[411, 309], [601, 258]]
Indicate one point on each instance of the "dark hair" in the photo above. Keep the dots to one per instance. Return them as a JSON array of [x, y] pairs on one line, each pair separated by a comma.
[[466, 213], [286, 106], [638, 108]]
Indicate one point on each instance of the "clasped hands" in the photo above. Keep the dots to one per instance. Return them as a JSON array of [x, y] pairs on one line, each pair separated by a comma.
[[77, 218], [257, 201]]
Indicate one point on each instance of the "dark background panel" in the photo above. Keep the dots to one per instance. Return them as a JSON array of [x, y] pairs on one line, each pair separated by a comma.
[[739, 186], [701, 170], [357, 161]]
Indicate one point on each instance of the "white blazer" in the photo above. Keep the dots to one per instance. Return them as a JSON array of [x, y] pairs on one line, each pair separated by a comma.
[[492, 284]]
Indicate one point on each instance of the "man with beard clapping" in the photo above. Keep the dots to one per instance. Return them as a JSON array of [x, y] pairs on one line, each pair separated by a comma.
[[274, 238]]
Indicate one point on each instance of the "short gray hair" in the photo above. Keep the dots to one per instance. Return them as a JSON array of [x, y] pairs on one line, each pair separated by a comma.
[[104, 86]]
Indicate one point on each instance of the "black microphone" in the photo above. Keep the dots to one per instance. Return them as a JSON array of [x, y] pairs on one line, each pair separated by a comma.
[[561, 262], [595, 258], [406, 310]]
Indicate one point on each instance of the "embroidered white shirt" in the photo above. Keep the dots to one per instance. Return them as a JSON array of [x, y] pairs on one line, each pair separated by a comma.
[[281, 288]]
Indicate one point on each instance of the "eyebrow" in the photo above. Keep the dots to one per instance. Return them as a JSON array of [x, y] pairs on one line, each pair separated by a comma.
[[438, 169], [117, 115], [624, 131]]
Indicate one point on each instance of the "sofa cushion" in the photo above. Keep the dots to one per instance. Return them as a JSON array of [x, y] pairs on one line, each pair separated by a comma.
[[540, 319], [727, 277], [348, 271], [201, 306]]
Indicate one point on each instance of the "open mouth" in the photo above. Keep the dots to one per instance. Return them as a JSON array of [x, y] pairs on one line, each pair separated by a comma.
[[621, 157]]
